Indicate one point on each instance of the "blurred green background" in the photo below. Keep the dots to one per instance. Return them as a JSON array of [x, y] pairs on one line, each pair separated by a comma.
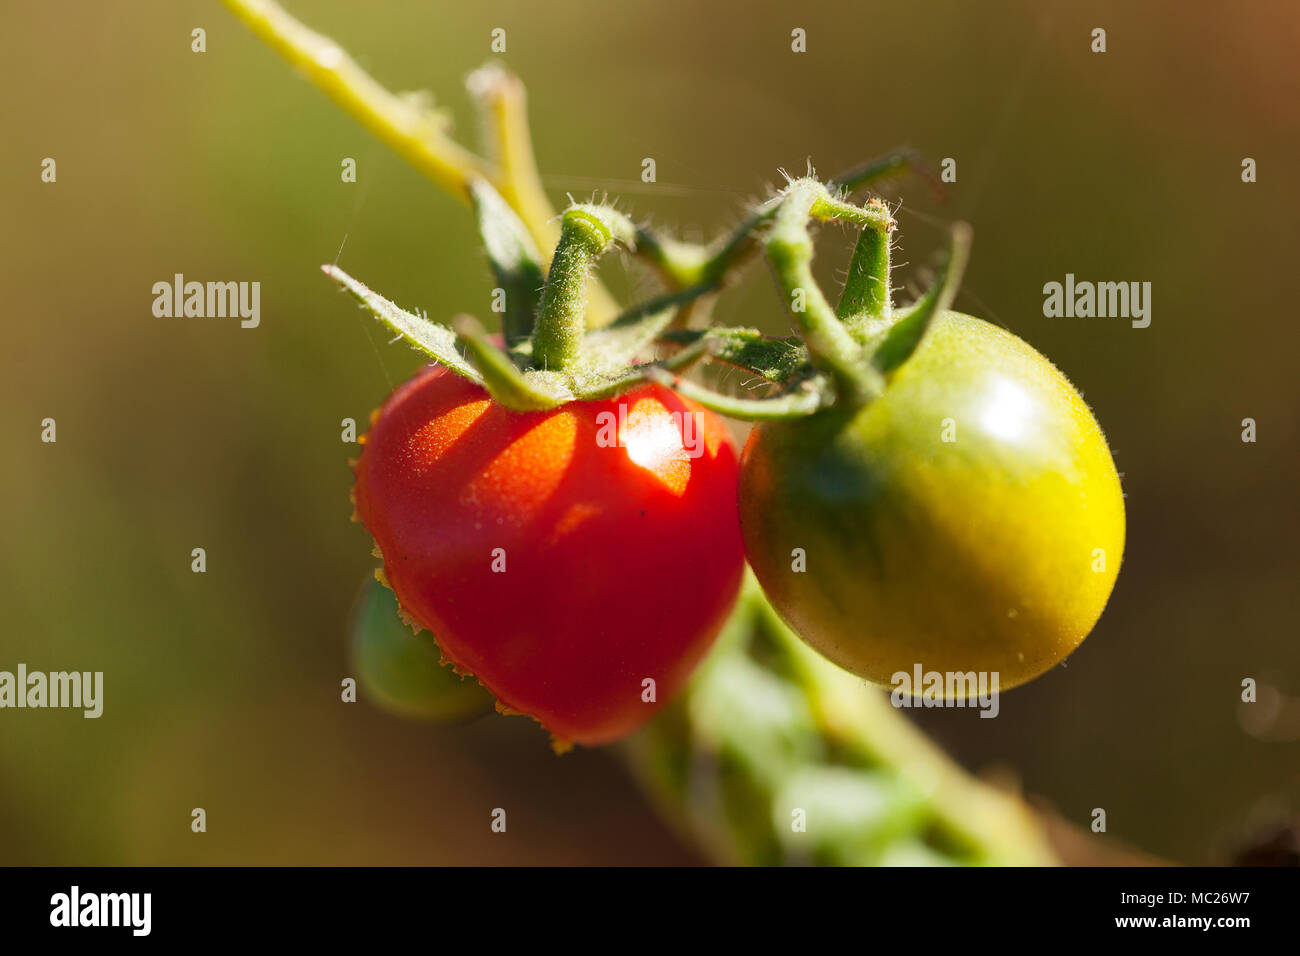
[[222, 689]]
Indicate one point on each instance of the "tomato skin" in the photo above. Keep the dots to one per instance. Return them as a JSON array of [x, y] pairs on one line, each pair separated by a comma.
[[621, 563], [973, 554]]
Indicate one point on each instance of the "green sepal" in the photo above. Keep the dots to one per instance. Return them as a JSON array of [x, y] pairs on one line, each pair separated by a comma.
[[517, 390], [808, 396], [515, 261], [897, 343], [626, 379], [436, 341], [780, 360]]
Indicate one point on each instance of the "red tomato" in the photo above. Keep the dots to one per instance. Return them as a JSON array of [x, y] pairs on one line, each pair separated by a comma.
[[563, 557]]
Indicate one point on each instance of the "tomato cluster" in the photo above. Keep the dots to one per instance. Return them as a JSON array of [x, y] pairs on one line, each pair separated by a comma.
[[925, 490]]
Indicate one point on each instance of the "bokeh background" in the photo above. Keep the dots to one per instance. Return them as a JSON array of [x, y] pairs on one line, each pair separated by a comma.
[[222, 689]]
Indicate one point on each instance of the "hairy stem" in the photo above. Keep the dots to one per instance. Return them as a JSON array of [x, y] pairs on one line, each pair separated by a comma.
[[504, 106], [586, 232], [684, 263], [790, 250]]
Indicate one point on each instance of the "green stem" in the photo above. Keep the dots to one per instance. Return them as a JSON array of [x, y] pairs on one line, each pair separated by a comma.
[[891, 164], [585, 233], [865, 297], [861, 719], [684, 263], [790, 249], [417, 135], [504, 106], [409, 130], [866, 289], [767, 726], [866, 294], [908, 326], [503, 103]]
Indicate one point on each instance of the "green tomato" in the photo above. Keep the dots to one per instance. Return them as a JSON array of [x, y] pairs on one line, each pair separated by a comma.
[[968, 519], [399, 670]]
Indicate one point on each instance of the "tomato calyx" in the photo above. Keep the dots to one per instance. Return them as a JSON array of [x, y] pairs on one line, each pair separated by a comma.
[[841, 356], [549, 357], [552, 354]]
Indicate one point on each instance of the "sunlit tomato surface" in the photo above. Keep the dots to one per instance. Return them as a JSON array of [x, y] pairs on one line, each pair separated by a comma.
[[970, 519], [566, 558]]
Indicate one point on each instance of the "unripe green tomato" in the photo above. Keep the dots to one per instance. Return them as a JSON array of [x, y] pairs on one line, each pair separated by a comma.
[[968, 519], [399, 670]]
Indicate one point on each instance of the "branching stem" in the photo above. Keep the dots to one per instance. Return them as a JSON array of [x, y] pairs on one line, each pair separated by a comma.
[[790, 250]]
